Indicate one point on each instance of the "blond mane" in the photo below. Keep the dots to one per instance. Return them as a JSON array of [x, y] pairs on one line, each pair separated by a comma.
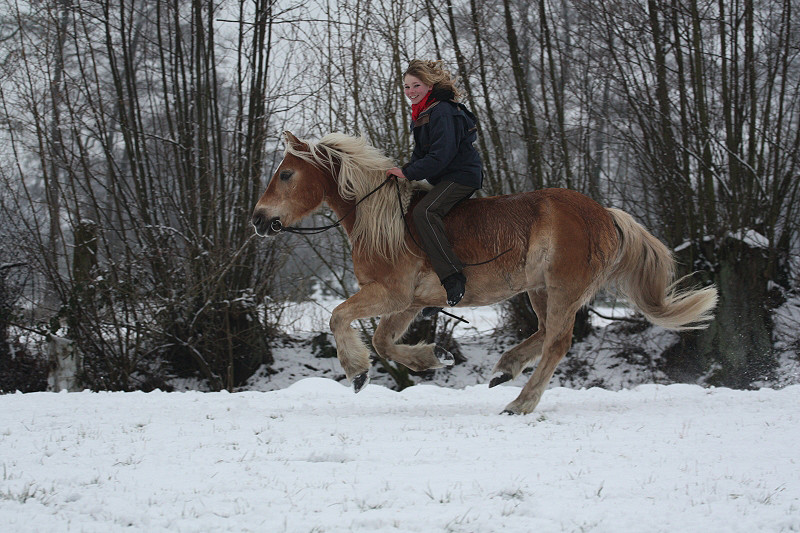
[[378, 228]]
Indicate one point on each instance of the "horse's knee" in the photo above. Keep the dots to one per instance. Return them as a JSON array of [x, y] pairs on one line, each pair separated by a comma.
[[337, 322]]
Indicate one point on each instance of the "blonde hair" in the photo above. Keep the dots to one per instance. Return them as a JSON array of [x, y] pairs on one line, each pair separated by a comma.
[[434, 73]]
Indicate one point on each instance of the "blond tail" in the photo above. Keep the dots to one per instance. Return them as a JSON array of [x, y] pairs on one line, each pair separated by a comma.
[[644, 273]]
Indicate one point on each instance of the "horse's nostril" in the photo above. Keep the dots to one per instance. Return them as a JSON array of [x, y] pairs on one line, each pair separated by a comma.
[[266, 226], [259, 221]]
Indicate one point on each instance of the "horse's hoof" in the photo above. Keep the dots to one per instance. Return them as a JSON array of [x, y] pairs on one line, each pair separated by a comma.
[[429, 312], [360, 381], [502, 378], [443, 356], [509, 412]]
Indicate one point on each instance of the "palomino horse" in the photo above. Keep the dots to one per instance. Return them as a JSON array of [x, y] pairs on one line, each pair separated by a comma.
[[562, 248]]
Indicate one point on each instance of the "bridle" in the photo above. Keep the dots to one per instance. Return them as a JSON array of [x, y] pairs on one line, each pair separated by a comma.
[[277, 227]]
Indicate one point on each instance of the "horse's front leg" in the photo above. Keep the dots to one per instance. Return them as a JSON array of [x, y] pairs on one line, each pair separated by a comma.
[[372, 300]]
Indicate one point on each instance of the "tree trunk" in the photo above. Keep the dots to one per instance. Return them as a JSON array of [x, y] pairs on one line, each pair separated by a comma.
[[668, 182], [530, 132], [464, 75], [557, 84], [65, 365], [740, 338], [499, 181], [736, 349], [55, 158]]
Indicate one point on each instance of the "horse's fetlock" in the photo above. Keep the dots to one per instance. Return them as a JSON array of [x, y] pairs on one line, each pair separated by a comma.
[[351, 370], [443, 356], [360, 381]]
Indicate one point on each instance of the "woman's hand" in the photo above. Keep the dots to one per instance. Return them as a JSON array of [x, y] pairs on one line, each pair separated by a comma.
[[395, 172]]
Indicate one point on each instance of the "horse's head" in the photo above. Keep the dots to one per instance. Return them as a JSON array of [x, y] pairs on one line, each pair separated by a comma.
[[296, 189]]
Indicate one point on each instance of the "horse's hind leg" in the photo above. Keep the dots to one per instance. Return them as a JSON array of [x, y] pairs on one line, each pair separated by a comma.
[[526, 353], [557, 340], [518, 358], [417, 358]]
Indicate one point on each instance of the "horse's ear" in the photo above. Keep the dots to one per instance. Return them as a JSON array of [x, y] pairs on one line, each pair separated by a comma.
[[293, 141]]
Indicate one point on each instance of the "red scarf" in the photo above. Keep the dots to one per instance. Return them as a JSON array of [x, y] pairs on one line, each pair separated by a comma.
[[420, 106]]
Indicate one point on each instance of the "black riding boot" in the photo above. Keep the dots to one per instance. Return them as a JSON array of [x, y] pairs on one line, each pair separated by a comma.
[[455, 284]]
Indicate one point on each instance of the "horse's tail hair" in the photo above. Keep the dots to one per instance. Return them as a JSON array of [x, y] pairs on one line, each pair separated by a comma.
[[644, 273]]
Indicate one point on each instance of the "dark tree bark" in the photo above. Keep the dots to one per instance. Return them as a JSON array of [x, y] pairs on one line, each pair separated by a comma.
[[530, 132]]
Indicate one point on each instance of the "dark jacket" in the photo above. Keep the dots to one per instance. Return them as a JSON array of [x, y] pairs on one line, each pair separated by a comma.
[[443, 150]]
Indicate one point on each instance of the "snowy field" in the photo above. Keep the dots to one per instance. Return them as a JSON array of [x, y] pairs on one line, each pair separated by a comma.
[[314, 457]]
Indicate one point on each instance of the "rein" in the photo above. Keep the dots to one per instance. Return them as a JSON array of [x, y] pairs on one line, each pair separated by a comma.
[[408, 229], [277, 226]]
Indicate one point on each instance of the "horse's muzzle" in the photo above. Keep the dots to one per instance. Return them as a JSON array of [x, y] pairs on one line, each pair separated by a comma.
[[266, 227]]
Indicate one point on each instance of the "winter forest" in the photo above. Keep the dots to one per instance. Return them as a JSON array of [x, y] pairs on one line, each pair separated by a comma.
[[137, 135]]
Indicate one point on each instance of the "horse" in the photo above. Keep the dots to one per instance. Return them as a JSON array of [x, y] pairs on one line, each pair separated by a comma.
[[557, 245]]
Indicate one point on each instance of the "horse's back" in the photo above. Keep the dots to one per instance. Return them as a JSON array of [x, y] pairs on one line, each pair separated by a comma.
[[562, 220], [520, 211]]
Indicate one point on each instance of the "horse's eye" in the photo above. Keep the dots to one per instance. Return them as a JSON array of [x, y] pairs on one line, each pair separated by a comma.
[[286, 174]]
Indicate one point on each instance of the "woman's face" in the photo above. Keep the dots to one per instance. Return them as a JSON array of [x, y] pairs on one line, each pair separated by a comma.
[[414, 88]]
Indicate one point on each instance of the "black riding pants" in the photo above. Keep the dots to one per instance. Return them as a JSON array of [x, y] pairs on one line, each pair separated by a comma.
[[428, 215]]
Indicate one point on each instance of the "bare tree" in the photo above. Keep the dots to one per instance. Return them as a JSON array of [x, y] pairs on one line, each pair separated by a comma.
[[141, 136], [160, 162]]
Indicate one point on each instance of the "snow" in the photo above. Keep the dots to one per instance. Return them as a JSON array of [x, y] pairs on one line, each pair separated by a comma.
[[316, 457], [314, 315], [751, 237]]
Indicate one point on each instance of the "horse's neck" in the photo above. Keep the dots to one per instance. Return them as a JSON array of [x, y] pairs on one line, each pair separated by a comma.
[[341, 207]]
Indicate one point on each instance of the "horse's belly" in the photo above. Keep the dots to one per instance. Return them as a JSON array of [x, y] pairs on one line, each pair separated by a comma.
[[491, 286], [485, 286]]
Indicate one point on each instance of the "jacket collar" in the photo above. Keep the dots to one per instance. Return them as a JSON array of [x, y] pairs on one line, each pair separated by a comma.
[[425, 116], [441, 95]]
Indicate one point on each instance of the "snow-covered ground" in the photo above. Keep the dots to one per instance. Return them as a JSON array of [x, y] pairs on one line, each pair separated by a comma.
[[296, 450], [316, 457]]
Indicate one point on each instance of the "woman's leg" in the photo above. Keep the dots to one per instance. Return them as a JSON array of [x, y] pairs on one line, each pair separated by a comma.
[[428, 215]]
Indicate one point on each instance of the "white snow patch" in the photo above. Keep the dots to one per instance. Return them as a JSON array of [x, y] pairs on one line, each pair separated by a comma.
[[751, 237], [316, 457]]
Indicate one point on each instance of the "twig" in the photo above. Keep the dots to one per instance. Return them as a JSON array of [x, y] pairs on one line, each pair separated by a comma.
[[620, 318], [7, 266]]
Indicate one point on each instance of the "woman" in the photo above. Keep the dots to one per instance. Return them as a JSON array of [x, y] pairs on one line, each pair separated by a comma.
[[444, 131]]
